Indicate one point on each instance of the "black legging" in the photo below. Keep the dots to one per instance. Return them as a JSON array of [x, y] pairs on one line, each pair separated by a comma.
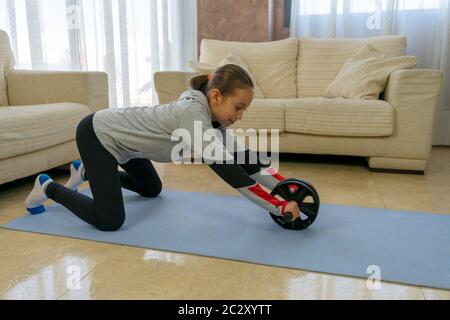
[[106, 210]]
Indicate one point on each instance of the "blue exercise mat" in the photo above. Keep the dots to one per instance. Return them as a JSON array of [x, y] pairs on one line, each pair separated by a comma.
[[408, 247]]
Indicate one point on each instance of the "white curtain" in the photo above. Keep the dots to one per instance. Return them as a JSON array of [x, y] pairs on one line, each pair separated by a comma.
[[425, 23], [130, 40]]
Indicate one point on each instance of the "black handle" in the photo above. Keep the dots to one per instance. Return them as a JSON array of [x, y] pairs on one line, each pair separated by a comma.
[[287, 217]]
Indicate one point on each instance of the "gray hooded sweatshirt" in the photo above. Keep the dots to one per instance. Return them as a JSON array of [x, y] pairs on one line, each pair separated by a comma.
[[147, 132]]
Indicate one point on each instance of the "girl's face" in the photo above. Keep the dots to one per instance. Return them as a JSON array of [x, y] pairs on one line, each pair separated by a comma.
[[228, 109]]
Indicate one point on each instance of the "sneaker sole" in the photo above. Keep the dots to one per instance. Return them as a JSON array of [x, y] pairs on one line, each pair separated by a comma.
[[36, 210]]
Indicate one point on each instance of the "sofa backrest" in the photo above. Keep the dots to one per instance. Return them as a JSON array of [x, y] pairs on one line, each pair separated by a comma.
[[6, 64], [273, 64], [320, 59]]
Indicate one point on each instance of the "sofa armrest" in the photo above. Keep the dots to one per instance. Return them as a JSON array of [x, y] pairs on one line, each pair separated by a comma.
[[28, 87], [169, 85], [413, 94]]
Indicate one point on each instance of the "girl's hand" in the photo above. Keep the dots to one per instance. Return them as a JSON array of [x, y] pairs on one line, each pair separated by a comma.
[[293, 208]]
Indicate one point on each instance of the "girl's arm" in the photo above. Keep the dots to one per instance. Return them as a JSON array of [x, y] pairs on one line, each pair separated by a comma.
[[262, 173], [227, 169], [251, 163], [236, 177]]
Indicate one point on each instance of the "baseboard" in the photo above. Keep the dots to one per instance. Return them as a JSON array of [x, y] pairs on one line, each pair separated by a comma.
[[416, 172]]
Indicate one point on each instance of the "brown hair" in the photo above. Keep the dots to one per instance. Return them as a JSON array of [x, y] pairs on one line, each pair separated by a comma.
[[227, 79]]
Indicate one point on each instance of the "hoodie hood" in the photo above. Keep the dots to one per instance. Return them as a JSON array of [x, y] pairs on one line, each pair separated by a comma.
[[196, 96], [200, 98]]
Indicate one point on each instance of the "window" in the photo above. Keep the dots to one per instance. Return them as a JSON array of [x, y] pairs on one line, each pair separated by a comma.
[[321, 7]]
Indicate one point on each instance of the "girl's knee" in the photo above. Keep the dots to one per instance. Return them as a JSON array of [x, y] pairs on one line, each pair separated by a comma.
[[153, 191], [109, 227], [110, 224]]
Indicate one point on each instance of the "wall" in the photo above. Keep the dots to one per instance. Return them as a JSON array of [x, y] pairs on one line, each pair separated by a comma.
[[239, 20]]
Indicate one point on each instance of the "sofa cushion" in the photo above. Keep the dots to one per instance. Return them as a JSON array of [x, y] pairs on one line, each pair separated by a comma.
[[320, 59], [232, 58], [273, 64], [26, 129], [340, 117], [263, 114], [6, 64]]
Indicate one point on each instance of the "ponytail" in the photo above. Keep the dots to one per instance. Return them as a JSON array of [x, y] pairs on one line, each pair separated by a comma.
[[200, 83]]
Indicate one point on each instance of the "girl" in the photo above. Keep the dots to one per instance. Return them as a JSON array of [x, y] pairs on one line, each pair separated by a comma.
[[131, 137]]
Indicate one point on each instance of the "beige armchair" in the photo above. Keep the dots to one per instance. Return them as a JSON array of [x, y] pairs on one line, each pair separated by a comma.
[[39, 113]]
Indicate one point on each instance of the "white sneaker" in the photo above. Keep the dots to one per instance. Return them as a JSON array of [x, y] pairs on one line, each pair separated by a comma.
[[37, 196], [76, 175]]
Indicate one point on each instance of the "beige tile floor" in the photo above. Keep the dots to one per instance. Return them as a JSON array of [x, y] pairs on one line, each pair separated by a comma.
[[35, 266]]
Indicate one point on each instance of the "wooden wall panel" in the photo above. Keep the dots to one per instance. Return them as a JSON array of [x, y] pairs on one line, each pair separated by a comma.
[[233, 20], [239, 20]]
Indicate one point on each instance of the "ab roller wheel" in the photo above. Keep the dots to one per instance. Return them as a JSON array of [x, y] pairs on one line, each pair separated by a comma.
[[307, 199]]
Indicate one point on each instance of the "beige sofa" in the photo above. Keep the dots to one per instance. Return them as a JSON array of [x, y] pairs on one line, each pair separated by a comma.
[[39, 112], [393, 133]]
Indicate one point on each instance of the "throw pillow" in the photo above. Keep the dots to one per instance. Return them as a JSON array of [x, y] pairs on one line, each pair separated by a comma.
[[365, 75]]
